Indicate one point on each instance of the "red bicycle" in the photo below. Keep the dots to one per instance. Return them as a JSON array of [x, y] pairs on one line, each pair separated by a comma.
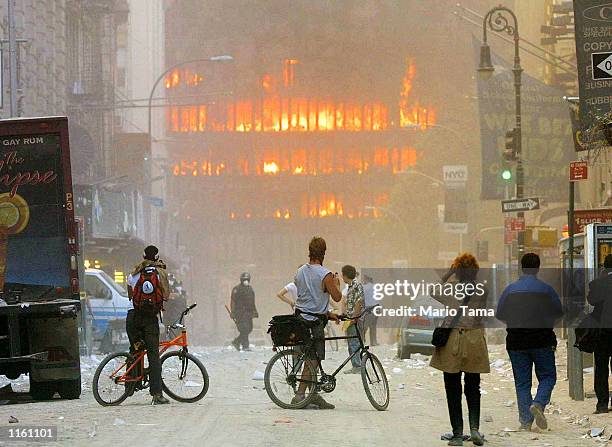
[[184, 377]]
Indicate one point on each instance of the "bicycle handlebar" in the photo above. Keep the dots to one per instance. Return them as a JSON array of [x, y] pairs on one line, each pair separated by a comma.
[[182, 317], [347, 318]]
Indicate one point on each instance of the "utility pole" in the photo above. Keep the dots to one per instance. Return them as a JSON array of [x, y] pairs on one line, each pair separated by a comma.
[[12, 38]]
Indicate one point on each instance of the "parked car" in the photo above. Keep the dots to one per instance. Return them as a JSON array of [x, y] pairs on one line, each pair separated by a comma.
[[415, 332]]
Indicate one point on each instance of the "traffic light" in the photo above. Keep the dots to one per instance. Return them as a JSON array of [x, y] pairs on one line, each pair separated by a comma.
[[511, 145], [506, 174]]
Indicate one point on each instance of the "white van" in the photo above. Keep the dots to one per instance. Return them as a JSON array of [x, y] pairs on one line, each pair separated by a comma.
[[108, 304]]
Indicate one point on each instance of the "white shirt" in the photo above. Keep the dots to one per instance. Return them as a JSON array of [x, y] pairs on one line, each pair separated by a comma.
[[291, 289], [132, 280]]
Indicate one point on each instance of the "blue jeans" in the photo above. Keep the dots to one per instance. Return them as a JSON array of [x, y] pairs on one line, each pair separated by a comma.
[[546, 372], [353, 345]]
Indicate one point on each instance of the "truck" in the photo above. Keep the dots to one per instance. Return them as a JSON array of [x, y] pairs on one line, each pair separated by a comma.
[[39, 285]]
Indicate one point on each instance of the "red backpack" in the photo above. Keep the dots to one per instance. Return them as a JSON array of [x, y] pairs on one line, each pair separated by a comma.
[[147, 293]]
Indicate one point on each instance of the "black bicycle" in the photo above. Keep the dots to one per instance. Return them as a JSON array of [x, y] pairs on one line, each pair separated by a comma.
[[291, 375]]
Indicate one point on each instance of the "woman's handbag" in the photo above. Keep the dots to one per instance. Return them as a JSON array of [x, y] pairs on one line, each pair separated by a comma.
[[441, 334]]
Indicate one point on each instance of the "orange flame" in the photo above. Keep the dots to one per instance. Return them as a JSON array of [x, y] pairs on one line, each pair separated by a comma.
[[412, 114], [270, 167], [304, 162]]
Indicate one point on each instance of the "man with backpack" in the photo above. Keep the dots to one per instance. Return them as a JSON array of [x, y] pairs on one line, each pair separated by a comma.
[[148, 288]]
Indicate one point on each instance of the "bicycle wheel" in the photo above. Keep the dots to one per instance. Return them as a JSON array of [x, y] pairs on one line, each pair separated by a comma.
[[375, 381], [283, 377], [184, 377], [107, 389]]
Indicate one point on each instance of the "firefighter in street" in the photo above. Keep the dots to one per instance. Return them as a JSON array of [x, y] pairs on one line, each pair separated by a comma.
[[243, 310]]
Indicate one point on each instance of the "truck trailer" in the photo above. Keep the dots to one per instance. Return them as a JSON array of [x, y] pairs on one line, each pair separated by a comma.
[[39, 285]]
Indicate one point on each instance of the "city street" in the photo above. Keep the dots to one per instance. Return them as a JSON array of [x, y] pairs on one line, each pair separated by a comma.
[[435, 175], [237, 410]]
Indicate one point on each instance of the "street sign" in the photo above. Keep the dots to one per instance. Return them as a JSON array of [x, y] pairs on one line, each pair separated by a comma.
[[602, 65], [518, 224], [585, 217], [455, 174], [455, 198], [456, 228], [517, 205], [592, 22], [156, 201], [578, 170]]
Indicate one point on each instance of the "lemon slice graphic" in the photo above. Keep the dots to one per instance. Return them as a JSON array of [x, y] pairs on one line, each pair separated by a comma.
[[9, 214], [14, 213]]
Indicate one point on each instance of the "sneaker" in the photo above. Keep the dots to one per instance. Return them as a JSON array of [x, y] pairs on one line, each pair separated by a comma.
[[297, 399], [321, 403], [159, 399], [353, 370], [525, 427], [538, 414], [456, 440], [476, 437]]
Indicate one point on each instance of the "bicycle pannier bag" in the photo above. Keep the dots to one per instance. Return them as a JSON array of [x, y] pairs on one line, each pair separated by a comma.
[[288, 330]]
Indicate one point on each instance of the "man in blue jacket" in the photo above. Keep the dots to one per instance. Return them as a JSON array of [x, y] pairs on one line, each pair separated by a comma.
[[530, 307]]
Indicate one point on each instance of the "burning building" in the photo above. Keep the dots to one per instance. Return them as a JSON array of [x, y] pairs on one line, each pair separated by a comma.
[[304, 133]]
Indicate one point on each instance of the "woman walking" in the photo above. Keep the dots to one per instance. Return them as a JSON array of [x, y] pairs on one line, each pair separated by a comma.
[[461, 347]]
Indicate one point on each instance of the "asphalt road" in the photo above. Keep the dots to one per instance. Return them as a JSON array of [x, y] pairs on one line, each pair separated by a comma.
[[238, 412]]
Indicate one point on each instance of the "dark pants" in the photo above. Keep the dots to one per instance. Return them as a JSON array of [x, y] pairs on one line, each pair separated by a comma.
[[353, 345], [144, 326], [245, 326], [369, 324], [603, 365], [452, 384], [523, 363]]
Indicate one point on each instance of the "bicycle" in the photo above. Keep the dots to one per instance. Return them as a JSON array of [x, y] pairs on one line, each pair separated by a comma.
[[184, 377], [289, 373]]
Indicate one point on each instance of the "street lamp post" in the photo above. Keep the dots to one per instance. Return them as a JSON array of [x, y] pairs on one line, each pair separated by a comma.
[[224, 58], [502, 20]]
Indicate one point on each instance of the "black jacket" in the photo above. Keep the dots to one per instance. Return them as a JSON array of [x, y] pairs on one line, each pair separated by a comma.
[[600, 297], [529, 307], [243, 302]]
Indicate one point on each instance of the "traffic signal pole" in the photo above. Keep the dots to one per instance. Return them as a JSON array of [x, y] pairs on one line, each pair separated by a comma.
[[574, 356]]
